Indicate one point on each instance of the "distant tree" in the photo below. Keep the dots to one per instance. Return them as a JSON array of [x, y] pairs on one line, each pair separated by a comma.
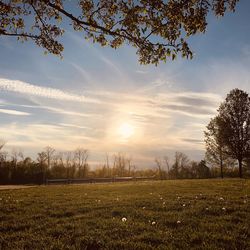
[[15, 155], [158, 162], [27, 161], [215, 149], [158, 29], [49, 152], [81, 156], [162, 164], [122, 165], [4, 173], [58, 169], [166, 160], [234, 123], [202, 170], [2, 154], [180, 166], [107, 164], [119, 164], [129, 163], [41, 159], [68, 161]]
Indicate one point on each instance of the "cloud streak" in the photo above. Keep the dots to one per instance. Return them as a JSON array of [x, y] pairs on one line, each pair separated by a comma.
[[30, 89], [14, 112]]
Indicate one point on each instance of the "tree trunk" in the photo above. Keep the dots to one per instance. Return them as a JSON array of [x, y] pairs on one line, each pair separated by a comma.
[[221, 169], [240, 168]]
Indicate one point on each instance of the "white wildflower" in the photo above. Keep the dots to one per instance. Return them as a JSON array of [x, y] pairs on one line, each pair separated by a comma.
[[184, 205], [178, 222], [153, 223], [224, 209], [124, 219]]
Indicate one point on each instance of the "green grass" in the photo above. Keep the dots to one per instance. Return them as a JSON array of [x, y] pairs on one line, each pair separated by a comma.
[[197, 214]]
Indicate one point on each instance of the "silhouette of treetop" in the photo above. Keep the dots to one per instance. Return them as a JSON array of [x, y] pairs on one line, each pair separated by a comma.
[[158, 29]]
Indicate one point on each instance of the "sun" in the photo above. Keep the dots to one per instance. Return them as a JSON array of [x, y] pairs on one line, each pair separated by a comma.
[[126, 130]]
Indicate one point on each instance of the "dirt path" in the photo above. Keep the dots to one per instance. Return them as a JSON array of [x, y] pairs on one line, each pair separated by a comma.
[[4, 187]]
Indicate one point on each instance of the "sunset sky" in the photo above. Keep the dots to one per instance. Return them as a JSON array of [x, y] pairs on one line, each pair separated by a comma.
[[105, 101]]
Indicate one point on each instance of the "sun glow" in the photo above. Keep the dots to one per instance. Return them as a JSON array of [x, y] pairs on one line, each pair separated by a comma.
[[126, 130]]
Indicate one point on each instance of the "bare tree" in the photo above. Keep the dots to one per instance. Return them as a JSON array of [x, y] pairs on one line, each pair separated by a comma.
[[69, 164], [129, 161], [15, 154], [181, 163], [119, 164], [159, 166], [49, 151], [81, 156], [3, 155], [107, 164], [41, 159], [166, 160]]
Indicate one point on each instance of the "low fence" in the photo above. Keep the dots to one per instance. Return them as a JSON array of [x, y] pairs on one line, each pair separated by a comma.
[[97, 180]]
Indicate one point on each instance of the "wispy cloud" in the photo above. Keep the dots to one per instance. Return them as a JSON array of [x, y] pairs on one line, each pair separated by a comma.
[[67, 112], [154, 85], [73, 126], [30, 89], [13, 112], [162, 104]]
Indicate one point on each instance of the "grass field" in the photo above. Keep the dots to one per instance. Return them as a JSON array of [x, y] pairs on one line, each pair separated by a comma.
[[197, 214]]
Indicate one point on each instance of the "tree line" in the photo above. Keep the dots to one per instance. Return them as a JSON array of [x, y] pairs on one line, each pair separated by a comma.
[[227, 140], [15, 168]]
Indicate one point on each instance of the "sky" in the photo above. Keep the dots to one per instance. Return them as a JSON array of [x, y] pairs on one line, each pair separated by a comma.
[[103, 100]]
